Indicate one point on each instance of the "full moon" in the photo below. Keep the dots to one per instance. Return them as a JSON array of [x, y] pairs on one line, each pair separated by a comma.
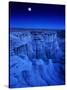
[[29, 9]]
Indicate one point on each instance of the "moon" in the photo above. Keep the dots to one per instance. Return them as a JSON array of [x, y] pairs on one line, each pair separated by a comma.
[[29, 9]]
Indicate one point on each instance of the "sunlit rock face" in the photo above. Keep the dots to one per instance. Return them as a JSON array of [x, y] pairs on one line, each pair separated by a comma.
[[37, 58]]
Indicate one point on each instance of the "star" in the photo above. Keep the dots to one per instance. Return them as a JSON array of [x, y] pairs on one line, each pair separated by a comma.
[[29, 9]]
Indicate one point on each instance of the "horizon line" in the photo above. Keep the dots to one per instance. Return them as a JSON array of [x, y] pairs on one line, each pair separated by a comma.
[[35, 28]]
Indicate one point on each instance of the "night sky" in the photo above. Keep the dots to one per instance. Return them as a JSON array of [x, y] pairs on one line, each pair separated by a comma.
[[31, 15]]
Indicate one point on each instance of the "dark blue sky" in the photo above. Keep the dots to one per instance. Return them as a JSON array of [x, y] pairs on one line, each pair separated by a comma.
[[41, 15]]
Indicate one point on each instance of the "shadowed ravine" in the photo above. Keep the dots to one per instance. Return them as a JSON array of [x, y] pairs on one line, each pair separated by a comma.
[[37, 58]]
